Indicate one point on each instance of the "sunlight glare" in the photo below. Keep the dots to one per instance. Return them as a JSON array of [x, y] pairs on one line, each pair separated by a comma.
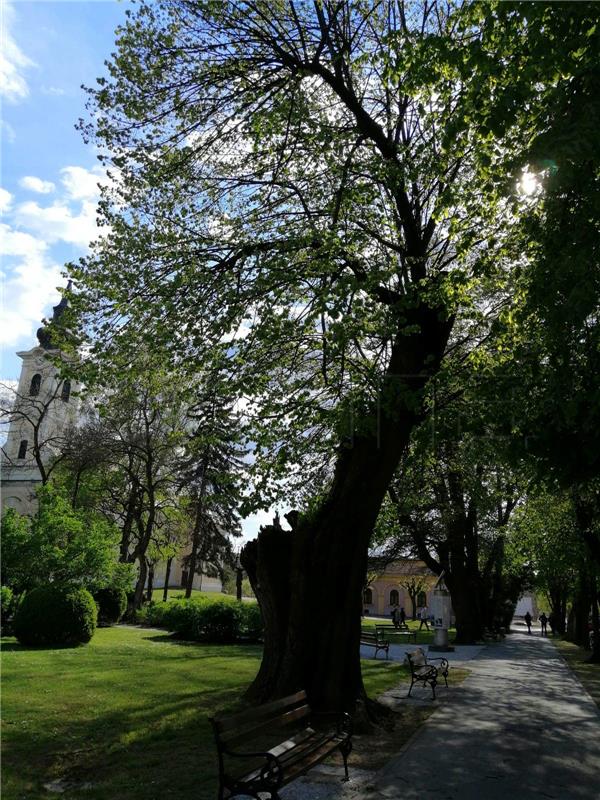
[[529, 184]]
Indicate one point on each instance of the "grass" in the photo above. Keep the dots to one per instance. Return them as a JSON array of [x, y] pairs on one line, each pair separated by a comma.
[[125, 717], [577, 658], [179, 594], [423, 636]]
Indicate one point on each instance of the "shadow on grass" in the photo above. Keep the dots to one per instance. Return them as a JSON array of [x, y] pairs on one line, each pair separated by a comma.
[[12, 646]]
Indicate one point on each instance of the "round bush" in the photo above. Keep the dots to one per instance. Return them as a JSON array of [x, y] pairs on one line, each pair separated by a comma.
[[112, 604], [56, 615]]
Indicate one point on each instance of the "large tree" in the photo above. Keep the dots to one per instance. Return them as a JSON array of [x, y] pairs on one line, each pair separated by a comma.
[[295, 187]]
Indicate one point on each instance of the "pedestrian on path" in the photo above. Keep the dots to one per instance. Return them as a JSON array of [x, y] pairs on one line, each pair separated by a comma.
[[396, 617], [424, 617], [528, 619], [402, 617], [544, 623]]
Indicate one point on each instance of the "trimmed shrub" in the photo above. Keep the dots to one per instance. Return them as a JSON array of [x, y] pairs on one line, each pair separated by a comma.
[[56, 615], [206, 620], [252, 624], [219, 621], [112, 604]]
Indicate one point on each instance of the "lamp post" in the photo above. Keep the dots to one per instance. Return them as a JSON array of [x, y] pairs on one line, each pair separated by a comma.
[[441, 607]]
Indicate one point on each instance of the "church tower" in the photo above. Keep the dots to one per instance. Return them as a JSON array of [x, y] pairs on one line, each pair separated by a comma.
[[45, 407]]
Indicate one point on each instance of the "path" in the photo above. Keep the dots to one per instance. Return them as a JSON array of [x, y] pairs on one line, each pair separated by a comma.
[[520, 727]]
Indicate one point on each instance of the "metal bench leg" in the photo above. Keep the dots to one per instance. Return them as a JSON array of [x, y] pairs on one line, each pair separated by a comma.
[[346, 749]]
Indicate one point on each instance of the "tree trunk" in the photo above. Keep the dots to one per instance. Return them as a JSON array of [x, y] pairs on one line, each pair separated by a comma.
[[141, 583], [413, 602], [150, 589], [313, 643], [167, 578]]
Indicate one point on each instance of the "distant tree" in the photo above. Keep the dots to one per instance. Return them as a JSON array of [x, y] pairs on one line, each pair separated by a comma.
[[59, 544], [211, 473], [48, 442]]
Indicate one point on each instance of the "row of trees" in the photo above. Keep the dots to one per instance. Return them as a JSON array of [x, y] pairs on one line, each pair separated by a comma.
[[154, 470], [340, 202]]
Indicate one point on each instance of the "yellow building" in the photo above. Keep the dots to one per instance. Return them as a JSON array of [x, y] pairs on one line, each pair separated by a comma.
[[391, 587]]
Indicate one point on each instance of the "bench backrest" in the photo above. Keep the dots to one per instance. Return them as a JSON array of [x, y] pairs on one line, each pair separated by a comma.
[[250, 725], [417, 658]]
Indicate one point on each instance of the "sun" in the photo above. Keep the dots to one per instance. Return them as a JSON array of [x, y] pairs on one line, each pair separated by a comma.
[[529, 183]]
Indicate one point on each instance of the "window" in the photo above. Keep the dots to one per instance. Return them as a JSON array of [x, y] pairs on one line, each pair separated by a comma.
[[66, 391], [394, 598], [36, 382], [22, 449], [368, 597], [421, 599]]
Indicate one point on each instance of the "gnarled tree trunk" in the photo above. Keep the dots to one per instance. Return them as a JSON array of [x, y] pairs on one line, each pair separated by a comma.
[[309, 582]]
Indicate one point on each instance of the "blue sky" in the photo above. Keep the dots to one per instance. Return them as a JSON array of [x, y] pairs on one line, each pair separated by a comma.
[[48, 176]]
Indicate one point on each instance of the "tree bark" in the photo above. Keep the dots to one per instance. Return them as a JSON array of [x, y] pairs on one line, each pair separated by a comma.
[[313, 643], [167, 578], [150, 588]]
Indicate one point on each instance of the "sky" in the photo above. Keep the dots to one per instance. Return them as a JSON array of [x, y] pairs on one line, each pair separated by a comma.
[[48, 175]]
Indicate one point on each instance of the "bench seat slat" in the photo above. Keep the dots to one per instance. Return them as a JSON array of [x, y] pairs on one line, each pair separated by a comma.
[[297, 758]]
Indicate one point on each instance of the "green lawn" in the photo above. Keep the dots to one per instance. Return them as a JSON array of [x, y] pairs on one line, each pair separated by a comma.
[[578, 659], [423, 636], [179, 594], [125, 716]]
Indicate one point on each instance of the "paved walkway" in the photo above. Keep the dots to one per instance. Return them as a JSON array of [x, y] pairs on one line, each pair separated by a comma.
[[520, 727]]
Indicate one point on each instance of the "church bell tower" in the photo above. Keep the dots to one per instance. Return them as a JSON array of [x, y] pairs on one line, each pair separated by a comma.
[[44, 408]]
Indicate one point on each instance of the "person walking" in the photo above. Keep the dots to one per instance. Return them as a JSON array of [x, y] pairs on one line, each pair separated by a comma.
[[396, 617], [544, 623], [424, 617], [528, 619], [402, 617]]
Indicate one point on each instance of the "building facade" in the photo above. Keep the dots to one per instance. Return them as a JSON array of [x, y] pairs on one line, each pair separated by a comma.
[[390, 588], [44, 408]]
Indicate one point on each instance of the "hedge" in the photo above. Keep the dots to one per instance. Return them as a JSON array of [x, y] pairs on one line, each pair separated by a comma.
[[112, 604], [206, 620]]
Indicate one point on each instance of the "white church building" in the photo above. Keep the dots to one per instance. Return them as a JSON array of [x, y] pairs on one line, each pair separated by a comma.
[[44, 408]]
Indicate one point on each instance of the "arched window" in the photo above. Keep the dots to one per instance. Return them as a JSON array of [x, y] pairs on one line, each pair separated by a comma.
[[394, 598], [66, 391], [22, 449], [368, 597], [421, 599], [36, 382]]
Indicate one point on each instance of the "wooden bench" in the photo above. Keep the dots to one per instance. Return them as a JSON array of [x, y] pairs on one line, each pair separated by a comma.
[[401, 632], [265, 748], [374, 638], [423, 671]]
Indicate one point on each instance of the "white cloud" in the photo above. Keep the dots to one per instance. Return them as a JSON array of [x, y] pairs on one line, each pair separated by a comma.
[[7, 131], [36, 184], [53, 91], [29, 287], [6, 199], [59, 222], [13, 61], [82, 184]]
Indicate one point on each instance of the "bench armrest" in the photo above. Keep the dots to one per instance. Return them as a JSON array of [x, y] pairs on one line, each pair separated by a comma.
[[271, 771], [444, 664], [341, 719]]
